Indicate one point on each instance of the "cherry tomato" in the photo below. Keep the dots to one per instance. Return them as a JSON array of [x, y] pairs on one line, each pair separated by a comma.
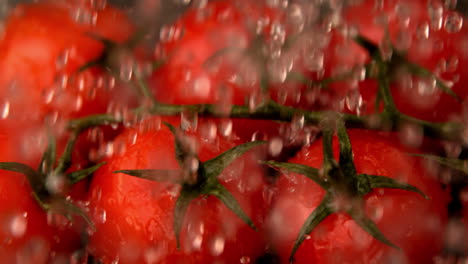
[[409, 221]]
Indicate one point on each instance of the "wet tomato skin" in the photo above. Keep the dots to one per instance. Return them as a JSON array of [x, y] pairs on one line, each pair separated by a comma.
[[28, 234], [43, 46], [134, 217], [412, 223], [428, 35]]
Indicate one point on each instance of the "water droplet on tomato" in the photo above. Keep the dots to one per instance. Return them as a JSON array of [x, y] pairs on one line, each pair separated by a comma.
[[98, 4], [170, 33], [15, 224], [217, 245], [353, 100], [244, 260], [55, 183], [435, 11], [188, 121], [101, 215], [4, 109], [225, 127], [411, 134], [182, 2], [453, 22], [275, 146], [62, 60], [208, 131], [84, 16], [422, 32], [313, 59], [296, 17]]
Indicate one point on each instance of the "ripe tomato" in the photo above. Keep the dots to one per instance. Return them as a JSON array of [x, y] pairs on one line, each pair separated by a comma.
[[134, 217], [408, 220], [206, 54], [28, 234], [429, 35], [42, 48]]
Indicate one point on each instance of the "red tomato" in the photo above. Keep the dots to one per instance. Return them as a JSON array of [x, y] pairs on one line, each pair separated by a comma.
[[408, 220], [206, 54], [134, 217], [432, 37], [28, 234], [41, 50]]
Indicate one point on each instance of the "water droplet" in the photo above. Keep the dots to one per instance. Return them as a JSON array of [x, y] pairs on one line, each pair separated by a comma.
[[453, 22], [411, 134], [436, 11], [200, 87], [101, 215], [182, 2], [353, 100], [55, 183], [208, 131], [255, 100], [62, 60], [296, 17], [426, 86], [225, 127], [127, 67], [245, 260], [277, 3], [170, 33], [452, 149], [4, 110], [84, 16], [98, 4], [188, 121], [17, 225], [422, 31], [275, 146], [313, 59], [277, 71], [217, 245]]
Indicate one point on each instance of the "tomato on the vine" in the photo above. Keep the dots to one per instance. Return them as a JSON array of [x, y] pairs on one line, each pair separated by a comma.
[[427, 34], [409, 221], [134, 217], [29, 233], [42, 48]]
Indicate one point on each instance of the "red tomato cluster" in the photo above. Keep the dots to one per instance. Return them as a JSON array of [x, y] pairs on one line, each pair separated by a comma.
[[192, 184]]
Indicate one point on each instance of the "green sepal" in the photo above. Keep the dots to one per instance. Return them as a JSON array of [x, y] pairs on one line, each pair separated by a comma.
[[48, 158], [223, 194], [35, 179], [376, 181], [346, 161], [76, 176], [357, 214], [181, 153], [65, 160], [327, 142], [423, 72], [70, 208], [92, 121], [173, 176], [453, 163], [309, 172], [321, 212], [216, 165], [180, 210]]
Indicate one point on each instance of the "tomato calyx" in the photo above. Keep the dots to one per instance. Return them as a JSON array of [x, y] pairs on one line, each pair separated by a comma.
[[197, 179], [50, 198], [342, 183]]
